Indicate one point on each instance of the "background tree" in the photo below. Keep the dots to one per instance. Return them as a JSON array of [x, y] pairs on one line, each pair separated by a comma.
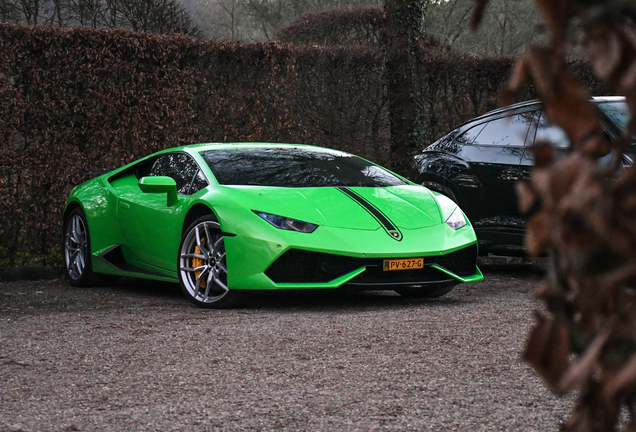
[[31, 10], [9, 11], [511, 23], [112, 16], [88, 13], [224, 19], [507, 27], [404, 21], [156, 16], [359, 27], [272, 15], [258, 19]]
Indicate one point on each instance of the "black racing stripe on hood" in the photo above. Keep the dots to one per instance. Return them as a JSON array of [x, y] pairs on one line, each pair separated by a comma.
[[391, 229]]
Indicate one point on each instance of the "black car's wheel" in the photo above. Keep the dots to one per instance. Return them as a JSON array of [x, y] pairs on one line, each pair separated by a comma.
[[202, 265], [77, 249], [428, 292], [439, 188]]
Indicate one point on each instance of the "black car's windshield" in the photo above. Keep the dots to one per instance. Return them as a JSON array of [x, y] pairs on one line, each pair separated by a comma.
[[617, 112], [295, 167]]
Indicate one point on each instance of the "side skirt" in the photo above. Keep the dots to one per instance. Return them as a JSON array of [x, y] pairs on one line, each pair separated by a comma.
[[114, 257]]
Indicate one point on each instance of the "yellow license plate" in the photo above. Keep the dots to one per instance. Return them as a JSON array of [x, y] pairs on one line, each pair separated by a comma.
[[403, 264]]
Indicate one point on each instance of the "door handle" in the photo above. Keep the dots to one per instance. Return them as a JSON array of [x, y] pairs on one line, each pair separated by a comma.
[[124, 205]]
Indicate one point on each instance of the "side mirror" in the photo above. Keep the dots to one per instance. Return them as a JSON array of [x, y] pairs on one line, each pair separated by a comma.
[[160, 184]]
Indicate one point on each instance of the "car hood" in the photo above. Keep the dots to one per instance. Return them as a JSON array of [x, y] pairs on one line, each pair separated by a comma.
[[407, 207]]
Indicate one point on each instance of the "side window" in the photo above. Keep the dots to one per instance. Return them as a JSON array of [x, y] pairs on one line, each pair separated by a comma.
[[455, 141], [198, 182], [469, 136], [506, 131], [183, 169], [552, 134]]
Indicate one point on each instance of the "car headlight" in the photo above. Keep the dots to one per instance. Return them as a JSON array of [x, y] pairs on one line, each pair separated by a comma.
[[456, 220], [287, 223]]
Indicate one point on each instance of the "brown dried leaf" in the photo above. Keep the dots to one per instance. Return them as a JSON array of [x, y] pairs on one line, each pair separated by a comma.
[[556, 183], [557, 14], [566, 102], [624, 275], [518, 79], [543, 154], [547, 349], [526, 195], [552, 295], [538, 234], [580, 372], [613, 55], [593, 412]]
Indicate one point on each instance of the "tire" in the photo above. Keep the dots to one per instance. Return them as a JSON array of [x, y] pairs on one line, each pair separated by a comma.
[[440, 188], [428, 292], [76, 248], [203, 270]]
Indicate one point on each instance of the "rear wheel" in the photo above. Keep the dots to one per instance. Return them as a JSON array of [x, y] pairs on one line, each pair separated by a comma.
[[427, 292], [77, 250], [202, 265]]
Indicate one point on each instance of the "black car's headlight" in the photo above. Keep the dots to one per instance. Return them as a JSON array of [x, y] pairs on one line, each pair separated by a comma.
[[456, 220], [286, 223]]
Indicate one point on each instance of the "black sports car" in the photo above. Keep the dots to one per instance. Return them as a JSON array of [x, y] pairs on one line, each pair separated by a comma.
[[478, 164]]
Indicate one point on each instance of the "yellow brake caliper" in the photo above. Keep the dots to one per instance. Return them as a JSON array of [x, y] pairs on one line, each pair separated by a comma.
[[198, 262]]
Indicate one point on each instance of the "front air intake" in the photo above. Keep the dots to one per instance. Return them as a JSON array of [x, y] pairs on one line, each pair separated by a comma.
[[300, 266]]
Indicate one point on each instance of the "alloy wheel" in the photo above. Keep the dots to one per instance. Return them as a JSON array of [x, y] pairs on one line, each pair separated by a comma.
[[75, 247], [202, 263]]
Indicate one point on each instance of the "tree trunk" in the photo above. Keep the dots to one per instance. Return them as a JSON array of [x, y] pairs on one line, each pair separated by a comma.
[[404, 21]]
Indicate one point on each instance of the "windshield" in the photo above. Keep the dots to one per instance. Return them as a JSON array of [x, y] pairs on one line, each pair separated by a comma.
[[617, 112], [295, 167]]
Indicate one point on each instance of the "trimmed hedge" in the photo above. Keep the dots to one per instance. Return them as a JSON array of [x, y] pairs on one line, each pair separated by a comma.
[[75, 100]]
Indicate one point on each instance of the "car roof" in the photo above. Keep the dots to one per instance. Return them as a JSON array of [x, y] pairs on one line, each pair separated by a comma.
[[194, 149], [529, 104], [245, 145]]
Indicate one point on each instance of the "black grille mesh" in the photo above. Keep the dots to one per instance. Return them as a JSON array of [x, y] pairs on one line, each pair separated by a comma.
[[299, 266], [461, 262]]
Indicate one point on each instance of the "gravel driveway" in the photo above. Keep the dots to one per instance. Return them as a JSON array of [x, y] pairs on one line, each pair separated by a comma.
[[138, 356]]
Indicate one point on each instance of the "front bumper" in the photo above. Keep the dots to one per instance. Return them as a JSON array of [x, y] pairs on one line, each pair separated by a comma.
[[298, 266], [334, 257]]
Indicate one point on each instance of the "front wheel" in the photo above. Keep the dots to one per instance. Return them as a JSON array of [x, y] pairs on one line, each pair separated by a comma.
[[202, 265]]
